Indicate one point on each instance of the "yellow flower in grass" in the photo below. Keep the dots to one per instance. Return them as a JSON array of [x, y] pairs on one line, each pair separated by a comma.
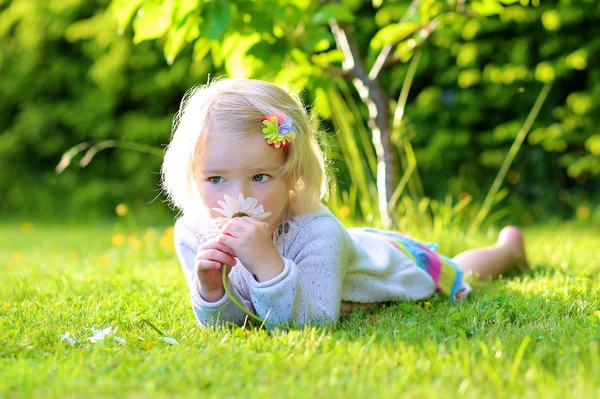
[[169, 231], [17, 256], [121, 209], [7, 306], [149, 235], [583, 212], [134, 242], [344, 211], [166, 242], [118, 240]]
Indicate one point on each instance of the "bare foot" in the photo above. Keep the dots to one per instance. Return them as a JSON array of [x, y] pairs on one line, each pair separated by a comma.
[[511, 235]]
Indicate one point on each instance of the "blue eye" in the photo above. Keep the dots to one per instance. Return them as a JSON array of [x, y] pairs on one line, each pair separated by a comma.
[[261, 178], [215, 179]]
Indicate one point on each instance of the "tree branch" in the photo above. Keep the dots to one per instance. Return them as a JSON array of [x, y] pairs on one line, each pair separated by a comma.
[[377, 102], [385, 51], [349, 49], [347, 75], [425, 33]]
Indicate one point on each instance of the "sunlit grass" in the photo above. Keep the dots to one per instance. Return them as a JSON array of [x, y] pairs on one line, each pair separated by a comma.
[[532, 335]]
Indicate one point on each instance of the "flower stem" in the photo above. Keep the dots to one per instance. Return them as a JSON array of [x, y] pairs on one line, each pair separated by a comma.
[[241, 307]]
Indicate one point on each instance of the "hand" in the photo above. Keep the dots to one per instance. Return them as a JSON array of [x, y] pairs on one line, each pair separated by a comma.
[[210, 257], [253, 245]]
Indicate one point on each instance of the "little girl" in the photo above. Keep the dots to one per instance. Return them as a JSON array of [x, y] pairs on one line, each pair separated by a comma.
[[291, 262]]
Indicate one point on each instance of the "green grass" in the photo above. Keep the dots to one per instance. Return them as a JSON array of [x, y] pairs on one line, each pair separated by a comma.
[[535, 335]]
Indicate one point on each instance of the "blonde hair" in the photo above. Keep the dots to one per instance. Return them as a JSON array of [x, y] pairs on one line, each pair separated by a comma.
[[237, 107]]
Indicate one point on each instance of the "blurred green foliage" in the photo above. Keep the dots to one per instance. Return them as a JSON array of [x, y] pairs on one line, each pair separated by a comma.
[[67, 76], [76, 70]]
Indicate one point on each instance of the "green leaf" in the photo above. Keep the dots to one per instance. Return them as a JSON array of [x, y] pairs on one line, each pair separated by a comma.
[[326, 59], [237, 64], [323, 107], [216, 52], [391, 34], [487, 7], [317, 40], [544, 72], [124, 10], [201, 47], [218, 19], [179, 36], [152, 20], [184, 9], [339, 12], [260, 50], [592, 144]]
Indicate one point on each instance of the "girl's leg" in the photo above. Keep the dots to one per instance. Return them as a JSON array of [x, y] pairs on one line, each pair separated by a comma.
[[496, 259]]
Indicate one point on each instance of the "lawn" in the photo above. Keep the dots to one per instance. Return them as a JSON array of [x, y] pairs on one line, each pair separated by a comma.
[[534, 335]]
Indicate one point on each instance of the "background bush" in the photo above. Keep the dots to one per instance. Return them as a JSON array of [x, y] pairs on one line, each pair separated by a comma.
[[67, 74]]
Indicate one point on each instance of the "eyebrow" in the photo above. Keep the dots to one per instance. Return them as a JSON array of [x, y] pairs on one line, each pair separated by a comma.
[[256, 169]]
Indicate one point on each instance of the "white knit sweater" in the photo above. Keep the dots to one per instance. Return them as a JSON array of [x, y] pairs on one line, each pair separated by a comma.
[[324, 264]]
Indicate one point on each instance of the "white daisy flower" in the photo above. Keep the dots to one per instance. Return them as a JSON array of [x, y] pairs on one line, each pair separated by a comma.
[[69, 338], [169, 340], [231, 208], [99, 335]]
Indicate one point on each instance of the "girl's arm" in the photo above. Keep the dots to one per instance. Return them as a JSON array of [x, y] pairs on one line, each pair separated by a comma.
[[309, 290], [207, 313]]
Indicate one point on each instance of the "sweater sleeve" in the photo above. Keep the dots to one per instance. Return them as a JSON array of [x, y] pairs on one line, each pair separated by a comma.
[[310, 287], [207, 313]]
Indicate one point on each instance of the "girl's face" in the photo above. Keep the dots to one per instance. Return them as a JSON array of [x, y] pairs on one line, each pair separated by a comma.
[[246, 165]]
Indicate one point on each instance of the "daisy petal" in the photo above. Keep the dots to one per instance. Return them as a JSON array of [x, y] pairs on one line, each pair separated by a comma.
[[169, 340], [230, 204], [230, 207], [246, 204], [253, 204], [225, 206], [223, 212], [262, 216]]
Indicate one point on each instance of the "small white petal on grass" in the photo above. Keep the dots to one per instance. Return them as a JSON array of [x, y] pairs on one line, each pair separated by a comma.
[[67, 337], [99, 335], [169, 340], [119, 339]]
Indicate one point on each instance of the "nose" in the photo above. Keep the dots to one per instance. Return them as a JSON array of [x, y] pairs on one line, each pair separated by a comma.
[[238, 188]]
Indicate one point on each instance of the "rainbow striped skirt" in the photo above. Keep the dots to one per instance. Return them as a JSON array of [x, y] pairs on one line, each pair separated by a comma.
[[446, 274]]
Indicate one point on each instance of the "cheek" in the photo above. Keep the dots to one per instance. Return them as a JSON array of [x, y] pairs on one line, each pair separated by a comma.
[[276, 203], [209, 198]]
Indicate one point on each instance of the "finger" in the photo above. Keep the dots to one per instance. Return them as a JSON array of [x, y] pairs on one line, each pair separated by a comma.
[[216, 256], [213, 244], [234, 227], [227, 240], [248, 222], [205, 265], [239, 226]]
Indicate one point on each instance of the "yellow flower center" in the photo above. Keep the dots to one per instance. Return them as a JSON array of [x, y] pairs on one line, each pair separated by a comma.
[[239, 215]]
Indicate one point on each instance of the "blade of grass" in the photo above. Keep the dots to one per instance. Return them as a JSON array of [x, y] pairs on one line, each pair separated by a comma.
[[512, 153], [350, 150]]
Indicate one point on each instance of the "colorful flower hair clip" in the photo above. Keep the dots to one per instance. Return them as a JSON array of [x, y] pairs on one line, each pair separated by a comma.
[[279, 130]]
